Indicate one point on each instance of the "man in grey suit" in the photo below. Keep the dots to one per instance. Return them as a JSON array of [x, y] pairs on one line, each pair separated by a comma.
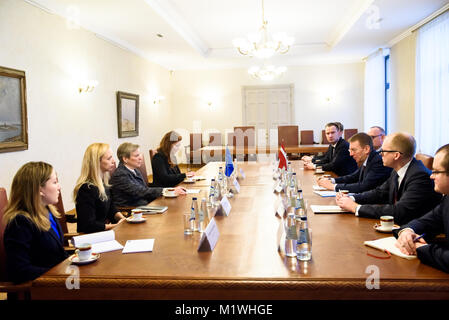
[[407, 194]]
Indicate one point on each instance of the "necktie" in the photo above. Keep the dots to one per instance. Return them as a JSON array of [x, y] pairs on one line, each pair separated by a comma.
[[362, 172], [395, 188]]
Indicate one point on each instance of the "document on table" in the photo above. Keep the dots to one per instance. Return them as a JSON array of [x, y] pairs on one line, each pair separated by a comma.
[[318, 188], [326, 193], [199, 178], [387, 244], [101, 241], [327, 209], [193, 191], [143, 245]]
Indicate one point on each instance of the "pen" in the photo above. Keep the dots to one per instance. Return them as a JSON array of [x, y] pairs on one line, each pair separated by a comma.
[[417, 238]]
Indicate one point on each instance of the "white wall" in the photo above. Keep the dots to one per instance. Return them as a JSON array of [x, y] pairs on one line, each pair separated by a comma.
[[61, 122], [343, 83]]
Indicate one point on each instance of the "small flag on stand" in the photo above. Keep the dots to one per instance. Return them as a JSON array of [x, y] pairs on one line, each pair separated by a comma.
[[229, 167], [282, 158]]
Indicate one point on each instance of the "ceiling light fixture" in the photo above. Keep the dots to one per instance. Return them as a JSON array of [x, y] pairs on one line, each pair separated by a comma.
[[266, 73], [261, 44]]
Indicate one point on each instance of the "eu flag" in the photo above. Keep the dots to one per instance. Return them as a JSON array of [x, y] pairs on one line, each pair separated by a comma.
[[229, 165]]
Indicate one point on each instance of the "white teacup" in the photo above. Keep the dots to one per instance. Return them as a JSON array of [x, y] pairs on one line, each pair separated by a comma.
[[319, 170], [189, 179], [83, 251], [170, 192], [387, 222], [137, 214]]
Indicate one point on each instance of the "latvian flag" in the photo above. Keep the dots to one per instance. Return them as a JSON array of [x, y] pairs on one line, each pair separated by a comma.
[[282, 158]]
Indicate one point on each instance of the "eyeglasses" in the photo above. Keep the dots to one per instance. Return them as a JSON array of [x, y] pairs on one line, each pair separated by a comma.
[[374, 137], [383, 151], [439, 171]]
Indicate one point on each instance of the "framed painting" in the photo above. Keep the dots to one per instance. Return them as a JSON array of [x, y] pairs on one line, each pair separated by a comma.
[[13, 110], [128, 114]]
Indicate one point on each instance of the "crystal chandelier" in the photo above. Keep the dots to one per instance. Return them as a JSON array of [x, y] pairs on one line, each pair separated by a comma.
[[262, 45], [266, 73]]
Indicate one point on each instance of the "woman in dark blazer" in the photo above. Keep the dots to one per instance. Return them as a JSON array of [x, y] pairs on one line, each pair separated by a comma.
[[94, 208], [33, 238], [165, 171]]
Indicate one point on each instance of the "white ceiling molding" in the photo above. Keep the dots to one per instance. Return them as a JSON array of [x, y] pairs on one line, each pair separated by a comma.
[[348, 21], [409, 31], [38, 5], [178, 23]]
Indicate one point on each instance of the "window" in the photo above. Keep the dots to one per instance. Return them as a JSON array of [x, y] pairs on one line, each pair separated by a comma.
[[387, 90], [432, 83]]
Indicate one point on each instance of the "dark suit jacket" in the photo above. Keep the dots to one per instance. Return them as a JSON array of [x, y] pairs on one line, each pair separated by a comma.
[[92, 213], [29, 251], [372, 176], [415, 197], [165, 175], [129, 189], [340, 161], [433, 223]]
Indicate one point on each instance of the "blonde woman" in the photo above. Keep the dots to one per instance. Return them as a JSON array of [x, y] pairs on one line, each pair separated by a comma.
[[33, 238], [94, 208]]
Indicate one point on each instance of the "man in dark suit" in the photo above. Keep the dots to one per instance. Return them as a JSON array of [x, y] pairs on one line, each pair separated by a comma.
[[407, 194], [432, 223], [371, 172], [337, 158]]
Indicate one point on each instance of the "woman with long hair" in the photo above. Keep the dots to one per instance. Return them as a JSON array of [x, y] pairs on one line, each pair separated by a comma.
[[94, 208], [33, 238], [166, 172]]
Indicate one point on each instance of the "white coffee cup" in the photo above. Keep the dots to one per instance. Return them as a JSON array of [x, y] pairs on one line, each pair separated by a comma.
[[137, 214], [387, 222], [83, 251], [170, 192]]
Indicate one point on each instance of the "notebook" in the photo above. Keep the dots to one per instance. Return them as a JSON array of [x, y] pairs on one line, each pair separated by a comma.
[[387, 244], [153, 209], [326, 193], [327, 209], [142, 245], [101, 241]]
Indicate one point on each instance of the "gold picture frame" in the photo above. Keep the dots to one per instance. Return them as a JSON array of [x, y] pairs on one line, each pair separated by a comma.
[[127, 114], [13, 110]]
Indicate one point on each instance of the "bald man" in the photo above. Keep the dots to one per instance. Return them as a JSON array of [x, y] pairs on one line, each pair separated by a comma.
[[378, 135], [406, 195]]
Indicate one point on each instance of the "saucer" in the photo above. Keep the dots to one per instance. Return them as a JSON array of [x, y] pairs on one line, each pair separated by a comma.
[[378, 228], [189, 181], [319, 172], [75, 260], [169, 196], [131, 220]]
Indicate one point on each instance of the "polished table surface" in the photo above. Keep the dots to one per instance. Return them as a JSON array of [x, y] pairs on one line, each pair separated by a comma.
[[245, 263], [305, 148]]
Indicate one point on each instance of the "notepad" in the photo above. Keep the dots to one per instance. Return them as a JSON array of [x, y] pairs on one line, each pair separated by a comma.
[[327, 209], [318, 188], [198, 178], [387, 244], [326, 193], [143, 245], [193, 191], [101, 241], [153, 209]]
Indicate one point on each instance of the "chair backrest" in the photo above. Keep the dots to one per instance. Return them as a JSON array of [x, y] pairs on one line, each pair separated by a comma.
[[307, 137], [143, 171], [231, 139], [215, 139], [3, 204], [244, 136], [152, 153], [323, 137], [426, 160], [349, 133], [288, 135], [196, 141], [62, 219]]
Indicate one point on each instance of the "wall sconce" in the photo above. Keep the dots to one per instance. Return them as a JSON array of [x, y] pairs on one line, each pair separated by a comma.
[[87, 86], [158, 99]]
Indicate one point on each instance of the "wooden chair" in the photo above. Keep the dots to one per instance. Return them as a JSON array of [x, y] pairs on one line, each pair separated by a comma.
[[152, 153], [245, 137], [63, 222], [215, 139], [323, 137], [426, 160], [13, 291], [348, 133], [307, 137], [196, 143], [288, 136], [143, 171]]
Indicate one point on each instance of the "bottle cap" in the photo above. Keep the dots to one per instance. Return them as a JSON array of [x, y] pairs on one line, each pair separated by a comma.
[[194, 198], [294, 173], [299, 190], [303, 218], [212, 179]]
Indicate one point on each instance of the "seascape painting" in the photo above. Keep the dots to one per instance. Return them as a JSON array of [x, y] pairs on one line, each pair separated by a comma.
[[127, 114]]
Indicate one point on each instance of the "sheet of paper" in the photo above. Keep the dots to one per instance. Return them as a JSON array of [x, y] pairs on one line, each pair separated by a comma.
[[327, 209], [226, 205], [326, 193], [142, 245], [193, 191], [388, 244], [106, 246], [318, 188], [209, 238], [93, 238], [199, 178]]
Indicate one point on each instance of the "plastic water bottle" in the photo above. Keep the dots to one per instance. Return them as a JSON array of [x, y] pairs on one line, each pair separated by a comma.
[[304, 243], [202, 216], [290, 235], [212, 193], [194, 215]]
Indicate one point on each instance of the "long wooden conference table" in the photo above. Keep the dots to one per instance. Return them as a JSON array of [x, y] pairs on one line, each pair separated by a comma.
[[245, 263]]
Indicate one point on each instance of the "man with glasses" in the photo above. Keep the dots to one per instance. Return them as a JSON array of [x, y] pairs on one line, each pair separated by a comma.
[[378, 135], [371, 172], [336, 158], [433, 223], [407, 194]]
